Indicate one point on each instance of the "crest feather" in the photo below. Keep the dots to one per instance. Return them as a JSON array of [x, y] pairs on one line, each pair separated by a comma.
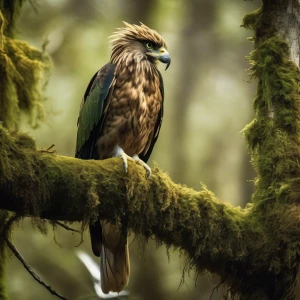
[[136, 32]]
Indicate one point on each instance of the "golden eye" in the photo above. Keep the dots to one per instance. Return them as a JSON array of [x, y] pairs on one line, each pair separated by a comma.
[[149, 45]]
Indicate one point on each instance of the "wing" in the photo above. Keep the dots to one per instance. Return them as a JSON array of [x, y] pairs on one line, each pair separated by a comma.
[[92, 111], [144, 157]]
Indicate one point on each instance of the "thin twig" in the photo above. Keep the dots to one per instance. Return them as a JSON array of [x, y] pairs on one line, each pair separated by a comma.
[[69, 229], [30, 271], [51, 149], [66, 227], [215, 289], [22, 260]]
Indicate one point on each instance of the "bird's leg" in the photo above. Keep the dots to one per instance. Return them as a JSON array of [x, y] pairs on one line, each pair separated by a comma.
[[142, 163], [120, 153]]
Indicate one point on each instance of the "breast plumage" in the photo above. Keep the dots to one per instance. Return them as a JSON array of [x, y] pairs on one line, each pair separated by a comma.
[[133, 111]]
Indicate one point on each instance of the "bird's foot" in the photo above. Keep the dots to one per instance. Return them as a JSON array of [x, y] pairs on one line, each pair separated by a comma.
[[120, 153], [143, 164]]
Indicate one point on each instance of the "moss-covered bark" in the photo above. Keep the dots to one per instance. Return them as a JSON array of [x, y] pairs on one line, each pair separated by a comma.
[[273, 138]]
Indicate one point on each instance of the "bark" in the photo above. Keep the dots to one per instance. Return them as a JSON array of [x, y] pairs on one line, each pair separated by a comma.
[[285, 16]]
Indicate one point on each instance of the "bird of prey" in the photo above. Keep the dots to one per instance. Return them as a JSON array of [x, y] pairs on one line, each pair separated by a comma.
[[120, 116]]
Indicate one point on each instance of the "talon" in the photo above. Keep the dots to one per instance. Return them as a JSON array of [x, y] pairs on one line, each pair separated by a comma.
[[143, 164], [120, 153], [125, 163]]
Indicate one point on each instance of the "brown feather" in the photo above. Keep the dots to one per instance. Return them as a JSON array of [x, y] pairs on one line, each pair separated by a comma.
[[114, 259], [134, 107]]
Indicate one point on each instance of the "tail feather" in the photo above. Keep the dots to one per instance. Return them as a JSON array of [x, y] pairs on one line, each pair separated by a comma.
[[96, 237], [114, 258]]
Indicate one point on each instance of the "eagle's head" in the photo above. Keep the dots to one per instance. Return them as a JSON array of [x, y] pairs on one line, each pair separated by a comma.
[[139, 43]]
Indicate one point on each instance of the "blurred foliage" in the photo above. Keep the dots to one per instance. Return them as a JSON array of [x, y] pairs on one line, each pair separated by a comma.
[[208, 102]]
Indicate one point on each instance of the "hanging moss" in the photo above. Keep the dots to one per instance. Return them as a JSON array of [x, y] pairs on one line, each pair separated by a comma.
[[23, 71], [10, 11]]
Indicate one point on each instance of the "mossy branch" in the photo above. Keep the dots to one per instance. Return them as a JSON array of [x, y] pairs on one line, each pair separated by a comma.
[[42, 184], [218, 237]]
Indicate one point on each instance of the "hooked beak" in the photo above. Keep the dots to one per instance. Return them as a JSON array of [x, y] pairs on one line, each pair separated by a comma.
[[164, 57]]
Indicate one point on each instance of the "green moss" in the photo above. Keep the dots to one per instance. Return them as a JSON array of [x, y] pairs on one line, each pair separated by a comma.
[[273, 135], [23, 71], [261, 22], [10, 10], [251, 20], [27, 173]]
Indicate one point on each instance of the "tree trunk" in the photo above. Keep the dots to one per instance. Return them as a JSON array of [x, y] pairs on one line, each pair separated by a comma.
[[273, 138], [285, 16]]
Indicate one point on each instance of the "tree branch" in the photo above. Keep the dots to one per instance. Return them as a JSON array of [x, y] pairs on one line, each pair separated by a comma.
[[9, 223], [66, 227], [216, 236], [17, 254]]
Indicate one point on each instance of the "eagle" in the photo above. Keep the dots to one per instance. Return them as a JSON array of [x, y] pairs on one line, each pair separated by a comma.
[[120, 116]]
